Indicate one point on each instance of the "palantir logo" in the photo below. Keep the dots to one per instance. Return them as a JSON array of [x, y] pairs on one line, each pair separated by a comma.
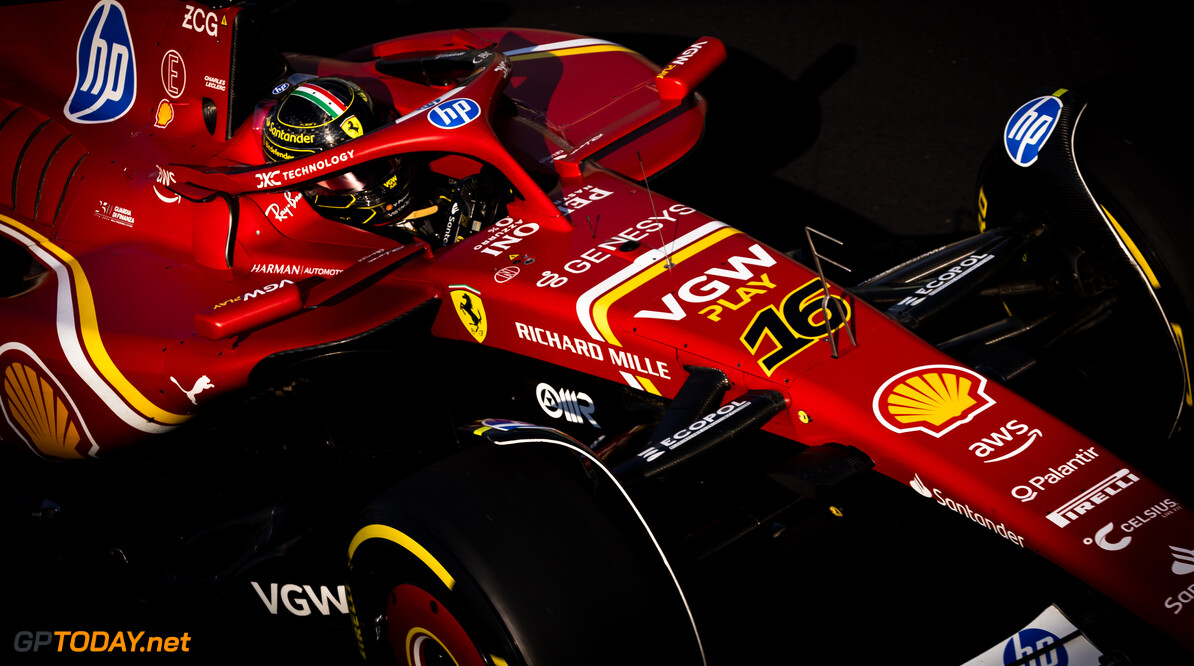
[[454, 113], [106, 82], [1029, 128]]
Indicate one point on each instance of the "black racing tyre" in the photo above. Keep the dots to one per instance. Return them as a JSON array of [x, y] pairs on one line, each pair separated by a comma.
[[506, 555]]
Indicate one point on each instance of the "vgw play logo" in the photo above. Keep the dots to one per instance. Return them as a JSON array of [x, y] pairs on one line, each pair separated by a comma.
[[106, 82]]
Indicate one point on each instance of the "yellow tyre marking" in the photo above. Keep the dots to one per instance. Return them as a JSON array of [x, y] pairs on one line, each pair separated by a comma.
[[390, 534]]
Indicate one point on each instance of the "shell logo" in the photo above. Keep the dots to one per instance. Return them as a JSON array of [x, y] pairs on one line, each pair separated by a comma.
[[933, 399], [36, 410]]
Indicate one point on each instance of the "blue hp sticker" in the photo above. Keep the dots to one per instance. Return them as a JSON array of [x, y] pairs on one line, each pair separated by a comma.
[[280, 88], [454, 113], [1029, 128], [106, 83], [1030, 641]]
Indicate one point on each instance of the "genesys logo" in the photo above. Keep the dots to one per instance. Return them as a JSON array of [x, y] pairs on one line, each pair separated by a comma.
[[573, 406], [932, 399], [1086, 502], [1029, 128], [106, 78]]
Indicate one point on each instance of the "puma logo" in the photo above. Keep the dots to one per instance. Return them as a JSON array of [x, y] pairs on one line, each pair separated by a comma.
[[202, 384]]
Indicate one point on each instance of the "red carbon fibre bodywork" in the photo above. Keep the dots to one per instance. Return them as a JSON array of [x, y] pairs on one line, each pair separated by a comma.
[[175, 262]]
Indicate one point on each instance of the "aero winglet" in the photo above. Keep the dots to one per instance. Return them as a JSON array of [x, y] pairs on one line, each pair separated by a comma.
[[682, 75]]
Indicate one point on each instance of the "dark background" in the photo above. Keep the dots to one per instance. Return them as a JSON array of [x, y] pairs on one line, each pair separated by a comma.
[[863, 119]]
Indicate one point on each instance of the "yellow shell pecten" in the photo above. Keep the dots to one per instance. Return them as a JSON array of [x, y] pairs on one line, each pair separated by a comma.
[[930, 397], [37, 409]]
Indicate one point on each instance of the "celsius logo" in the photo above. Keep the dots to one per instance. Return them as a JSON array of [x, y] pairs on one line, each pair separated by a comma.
[[106, 82], [933, 399], [1100, 538], [454, 113], [1029, 128], [574, 406], [1183, 560], [1031, 647]]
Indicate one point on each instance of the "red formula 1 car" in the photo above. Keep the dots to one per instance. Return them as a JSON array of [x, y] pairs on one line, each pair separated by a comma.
[[526, 433]]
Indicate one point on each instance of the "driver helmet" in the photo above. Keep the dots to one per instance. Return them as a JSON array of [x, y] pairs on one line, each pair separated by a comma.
[[322, 113]]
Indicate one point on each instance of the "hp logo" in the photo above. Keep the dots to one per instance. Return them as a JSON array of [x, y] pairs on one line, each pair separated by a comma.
[[1029, 128], [454, 113], [106, 83], [1035, 643]]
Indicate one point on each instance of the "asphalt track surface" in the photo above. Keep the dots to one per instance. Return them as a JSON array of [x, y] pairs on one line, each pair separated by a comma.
[[864, 119]]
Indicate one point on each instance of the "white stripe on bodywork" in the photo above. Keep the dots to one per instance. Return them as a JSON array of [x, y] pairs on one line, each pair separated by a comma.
[[584, 304], [72, 346], [567, 44]]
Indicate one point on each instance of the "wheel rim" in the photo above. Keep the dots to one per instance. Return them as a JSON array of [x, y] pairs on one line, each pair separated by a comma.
[[423, 632]]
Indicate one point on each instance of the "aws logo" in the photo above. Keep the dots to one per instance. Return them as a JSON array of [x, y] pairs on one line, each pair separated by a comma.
[[933, 399]]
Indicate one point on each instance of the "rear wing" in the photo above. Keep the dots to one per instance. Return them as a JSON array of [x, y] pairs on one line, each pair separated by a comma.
[[620, 134]]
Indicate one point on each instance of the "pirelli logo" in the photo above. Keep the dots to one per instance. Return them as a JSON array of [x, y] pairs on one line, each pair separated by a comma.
[[1087, 501]]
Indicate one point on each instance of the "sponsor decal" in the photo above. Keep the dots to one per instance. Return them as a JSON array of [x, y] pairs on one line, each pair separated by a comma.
[[1035, 647], [505, 234], [482, 57], [581, 347], [933, 399], [944, 280], [278, 213], [681, 436], [798, 322], [200, 385], [278, 177], [1025, 493], [113, 213], [965, 510], [38, 409], [303, 600], [174, 73], [1183, 560], [1178, 601], [505, 274], [1029, 128], [631, 234], [294, 269], [1102, 539], [454, 113], [1003, 437], [1088, 500], [203, 21], [505, 69], [681, 59], [707, 287], [164, 180], [106, 78], [352, 127], [919, 486], [574, 201], [215, 83], [280, 88], [163, 114], [470, 309], [573, 406]]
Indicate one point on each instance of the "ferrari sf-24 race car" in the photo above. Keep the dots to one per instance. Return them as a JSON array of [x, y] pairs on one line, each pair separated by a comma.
[[529, 429]]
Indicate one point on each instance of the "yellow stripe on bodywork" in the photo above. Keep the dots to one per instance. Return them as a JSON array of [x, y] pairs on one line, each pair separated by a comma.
[[88, 327], [1135, 251], [602, 305], [390, 534], [580, 50], [1181, 346], [648, 385]]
